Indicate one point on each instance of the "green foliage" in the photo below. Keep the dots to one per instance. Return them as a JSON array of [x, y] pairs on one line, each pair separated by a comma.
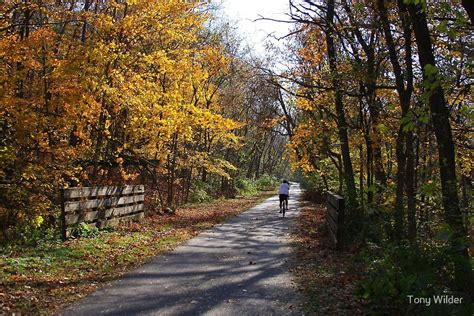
[[23, 264], [430, 189], [312, 182], [430, 70], [204, 192], [432, 81], [34, 231], [246, 187], [201, 192], [407, 122], [314, 187], [266, 183], [82, 230], [402, 270], [377, 223], [422, 3]]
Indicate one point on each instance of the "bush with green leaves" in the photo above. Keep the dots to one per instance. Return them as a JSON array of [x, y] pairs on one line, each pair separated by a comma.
[[82, 230], [314, 187], [200, 192], [400, 271], [34, 231], [266, 183], [246, 187]]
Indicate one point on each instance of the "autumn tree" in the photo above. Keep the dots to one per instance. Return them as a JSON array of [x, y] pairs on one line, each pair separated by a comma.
[[102, 92], [400, 73]]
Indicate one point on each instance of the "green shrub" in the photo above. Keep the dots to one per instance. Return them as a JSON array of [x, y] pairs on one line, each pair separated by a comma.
[[33, 231], [82, 230], [400, 271], [266, 183], [200, 192], [314, 188], [246, 187]]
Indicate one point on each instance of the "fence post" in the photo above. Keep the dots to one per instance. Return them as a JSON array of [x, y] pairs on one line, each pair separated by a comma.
[[335, 218], [63, 215], [340, 225]]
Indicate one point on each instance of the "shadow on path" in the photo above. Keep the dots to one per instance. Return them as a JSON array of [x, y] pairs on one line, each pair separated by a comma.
[[239, 267]]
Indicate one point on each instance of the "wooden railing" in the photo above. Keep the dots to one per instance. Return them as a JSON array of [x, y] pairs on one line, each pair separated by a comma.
[[100, 206], [335, 218]]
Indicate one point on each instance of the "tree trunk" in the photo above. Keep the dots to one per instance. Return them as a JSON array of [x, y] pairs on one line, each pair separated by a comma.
[[369, 166], [469, 7], [341, 120], [203, 175], [368, 86], [361, 173], [404, 94], [410, 187], [171, 166], [400, 180]]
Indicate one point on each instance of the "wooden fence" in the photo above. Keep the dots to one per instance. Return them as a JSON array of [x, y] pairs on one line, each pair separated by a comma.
[[335, 218], [100, 206]]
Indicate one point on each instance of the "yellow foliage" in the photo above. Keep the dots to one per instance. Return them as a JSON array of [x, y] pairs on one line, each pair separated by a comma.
[[127, 78]]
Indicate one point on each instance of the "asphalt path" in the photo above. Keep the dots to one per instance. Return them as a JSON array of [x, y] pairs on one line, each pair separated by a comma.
[[240, 267]]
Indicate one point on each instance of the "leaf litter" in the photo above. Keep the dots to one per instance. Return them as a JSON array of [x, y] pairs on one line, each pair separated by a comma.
[[67, 271], [326, 277]]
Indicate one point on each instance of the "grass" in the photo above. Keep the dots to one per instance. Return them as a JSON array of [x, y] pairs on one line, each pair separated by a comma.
[[46, 278]]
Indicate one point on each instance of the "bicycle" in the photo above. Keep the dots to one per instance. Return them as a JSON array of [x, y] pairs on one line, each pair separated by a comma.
[[283, 205], [283, 193]]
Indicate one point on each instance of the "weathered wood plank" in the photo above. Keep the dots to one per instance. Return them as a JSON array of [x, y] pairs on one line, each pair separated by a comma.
[[120, 211], [102, 214], [335, 200], [118, 220], [332, 225], [64, 232], [98, 203], [89, 192], [340, 230], [333, 237], [72, 219], [335, 218], [110, 222], [101, 206], [332, 212]]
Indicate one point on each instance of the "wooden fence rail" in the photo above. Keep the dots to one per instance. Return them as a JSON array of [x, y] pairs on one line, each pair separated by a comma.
[[335, 218], [100, 206]]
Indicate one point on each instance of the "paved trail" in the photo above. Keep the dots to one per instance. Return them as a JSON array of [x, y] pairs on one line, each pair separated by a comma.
[[236, 268]]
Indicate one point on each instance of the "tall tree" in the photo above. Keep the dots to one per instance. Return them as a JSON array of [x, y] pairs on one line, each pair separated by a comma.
[[446, 155], [341, 119], [404, 86]]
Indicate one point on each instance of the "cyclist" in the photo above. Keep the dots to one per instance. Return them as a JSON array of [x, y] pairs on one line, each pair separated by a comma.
[[284, 192]]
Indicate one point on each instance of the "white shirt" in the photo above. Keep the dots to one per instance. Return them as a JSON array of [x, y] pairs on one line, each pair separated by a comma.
[[284, 189]]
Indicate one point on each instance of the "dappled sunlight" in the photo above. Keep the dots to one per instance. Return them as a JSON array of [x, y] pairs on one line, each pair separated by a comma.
[[239, 266]]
